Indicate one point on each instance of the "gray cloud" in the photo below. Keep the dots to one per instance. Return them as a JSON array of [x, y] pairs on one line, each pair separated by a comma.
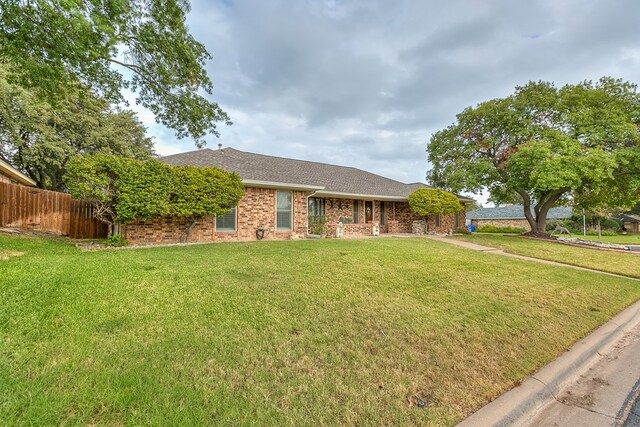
[[365, 83]]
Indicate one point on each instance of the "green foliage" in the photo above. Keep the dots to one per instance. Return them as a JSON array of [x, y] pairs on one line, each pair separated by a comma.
[[317, 225], [54, 44], [123, 189], [346, 220], [433, 201], [41, 139], [462, 230], [546, 145], [603, 232], [115, 240], [503, 230], [198, 192]]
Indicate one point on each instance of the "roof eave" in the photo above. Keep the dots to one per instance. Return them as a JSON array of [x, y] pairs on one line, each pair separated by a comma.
[[16, 175], [283, 185], [343, 195]]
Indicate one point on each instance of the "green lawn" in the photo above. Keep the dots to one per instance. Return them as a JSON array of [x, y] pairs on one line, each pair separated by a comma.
[[279, 333], [612, 262], [623, 239]]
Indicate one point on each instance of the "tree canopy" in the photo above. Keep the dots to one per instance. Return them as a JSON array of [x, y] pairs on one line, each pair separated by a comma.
[[545, 146], [40, 139], [122, 189], [109, 46], [433, 201]]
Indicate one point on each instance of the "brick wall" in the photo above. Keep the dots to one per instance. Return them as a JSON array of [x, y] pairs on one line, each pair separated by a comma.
[[257, 208], [398, 217]]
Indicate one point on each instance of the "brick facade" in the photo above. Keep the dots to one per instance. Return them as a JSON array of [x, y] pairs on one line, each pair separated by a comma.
[[256, 209], [398, 218]]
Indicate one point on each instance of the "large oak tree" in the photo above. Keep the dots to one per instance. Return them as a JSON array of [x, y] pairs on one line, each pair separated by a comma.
[[41, 139], [544, 146], [108, 46]]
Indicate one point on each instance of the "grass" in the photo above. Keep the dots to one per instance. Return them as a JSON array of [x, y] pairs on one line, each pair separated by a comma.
[[280, 333], [626, 264], [628, 239]]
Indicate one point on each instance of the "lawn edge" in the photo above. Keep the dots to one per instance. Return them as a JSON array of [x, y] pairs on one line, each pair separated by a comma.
[[524, 402]]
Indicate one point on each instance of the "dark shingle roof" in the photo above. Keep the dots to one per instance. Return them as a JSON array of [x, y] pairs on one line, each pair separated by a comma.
[[515, 212], [628, 217], [259, 167]]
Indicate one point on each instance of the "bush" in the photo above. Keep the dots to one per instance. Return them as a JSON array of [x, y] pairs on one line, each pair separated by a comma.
[[495, 229], [317, 225], [116, 240], [604, 233], [346, 220], [461, 230]]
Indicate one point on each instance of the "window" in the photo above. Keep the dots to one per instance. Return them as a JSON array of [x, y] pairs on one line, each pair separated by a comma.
[[226, 222], [316, 207], [284, 210], [356, 211], [438, 220], [382, 213]]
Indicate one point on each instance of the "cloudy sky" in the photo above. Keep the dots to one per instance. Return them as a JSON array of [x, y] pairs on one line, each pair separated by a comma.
[[366, 82]]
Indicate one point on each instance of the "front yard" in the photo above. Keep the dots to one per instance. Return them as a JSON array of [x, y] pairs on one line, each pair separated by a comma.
[[622, 239], [280, 333], [626, 264]]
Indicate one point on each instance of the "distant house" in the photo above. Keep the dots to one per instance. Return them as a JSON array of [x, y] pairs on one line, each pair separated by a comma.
[[630, 222], [287, 198], [511, 216], [13, 176]]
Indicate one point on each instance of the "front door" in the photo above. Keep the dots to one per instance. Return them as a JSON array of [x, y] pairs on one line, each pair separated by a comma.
[[368, 212]]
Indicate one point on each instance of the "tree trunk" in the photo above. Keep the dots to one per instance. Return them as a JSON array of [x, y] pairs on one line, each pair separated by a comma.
[[599, 230], [189, 229], [542, 209], [526, 203]]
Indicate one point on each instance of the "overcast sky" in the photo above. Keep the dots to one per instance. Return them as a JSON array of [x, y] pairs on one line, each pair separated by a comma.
[[365, 83]]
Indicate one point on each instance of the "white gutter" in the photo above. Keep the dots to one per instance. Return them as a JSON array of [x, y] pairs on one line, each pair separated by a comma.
[[341, 195], [285, 185], [12, 172]]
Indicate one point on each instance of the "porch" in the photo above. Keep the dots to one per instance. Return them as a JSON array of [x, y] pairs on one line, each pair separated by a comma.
[[359, 217]]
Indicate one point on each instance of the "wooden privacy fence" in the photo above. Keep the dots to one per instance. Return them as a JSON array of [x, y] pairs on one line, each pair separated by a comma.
[[35, 209]]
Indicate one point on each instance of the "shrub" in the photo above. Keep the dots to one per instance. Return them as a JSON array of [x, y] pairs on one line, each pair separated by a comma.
[[495, 229], [346, 220], [433, 201], [116, 240], [603, 233], [317, 225], [461, 230]]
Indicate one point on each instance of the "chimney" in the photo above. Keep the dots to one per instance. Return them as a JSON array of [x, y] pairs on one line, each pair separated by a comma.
[[220, 147]]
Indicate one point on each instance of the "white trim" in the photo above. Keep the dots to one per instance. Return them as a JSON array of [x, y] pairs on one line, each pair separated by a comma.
[[283, 185], [14, 173], [340, 195]]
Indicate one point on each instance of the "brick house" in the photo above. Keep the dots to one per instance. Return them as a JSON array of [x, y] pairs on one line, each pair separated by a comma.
[[511, 216], [287, 198], [12, 175]]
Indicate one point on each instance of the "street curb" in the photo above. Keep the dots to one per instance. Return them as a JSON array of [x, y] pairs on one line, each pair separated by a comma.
[[520, 405]]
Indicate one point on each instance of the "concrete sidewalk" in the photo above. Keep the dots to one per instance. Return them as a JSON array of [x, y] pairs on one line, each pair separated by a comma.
[[595, 383], [496, 251], [605, 394]]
